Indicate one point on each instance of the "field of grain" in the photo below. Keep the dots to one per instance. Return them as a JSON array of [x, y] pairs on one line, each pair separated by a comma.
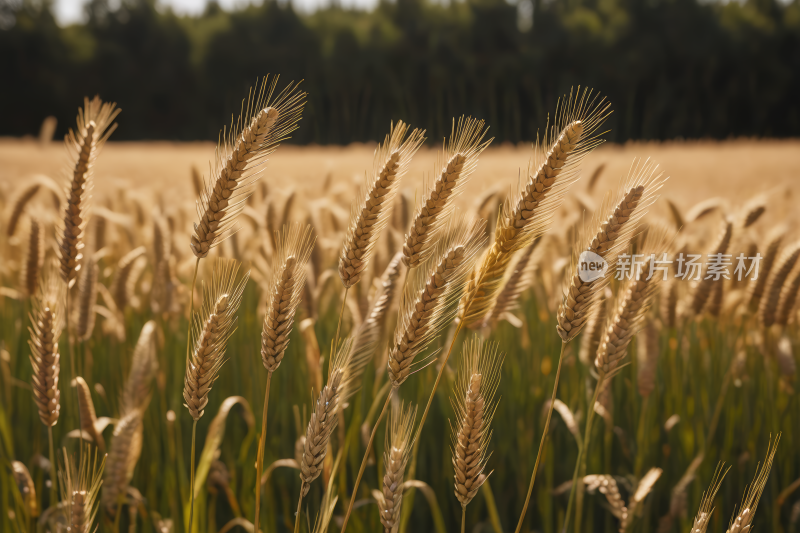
[[388, 362]]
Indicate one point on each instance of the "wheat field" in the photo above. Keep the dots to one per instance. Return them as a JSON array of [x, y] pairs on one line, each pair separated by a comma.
[[398, 336]]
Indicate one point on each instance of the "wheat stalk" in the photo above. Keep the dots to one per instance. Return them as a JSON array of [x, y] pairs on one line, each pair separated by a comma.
[[459, 161], [370, 215], [615, 225], [527, 214], [34, 259], [239, 159], [742, 522], [399, 439], [474, 404], [213, 326], [80, 486], [768, 307], [94, 126], [87, 295]]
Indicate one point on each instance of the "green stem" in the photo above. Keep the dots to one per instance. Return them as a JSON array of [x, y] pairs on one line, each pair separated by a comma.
[[73, 366], [580, 464], [53, 475], [260, 459], [338, 328], [540, 453], [297, 515], [191, 310], [191, 478], [463, 518], [364, 460], [640, 437]]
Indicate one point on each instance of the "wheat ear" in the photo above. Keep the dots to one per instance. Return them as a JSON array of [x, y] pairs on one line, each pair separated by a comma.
[[787, 300], [26, 487], [774, 241], [323, 421], [753, 211], [34, 259], [83, 144], [18, 206], [459, 161], [88, 414], [294, 247], [614, 227], [474, 403], [370, 215], [399, 439], [669, 303], [527, 214], [742, 522], [517, 282], [80, 486], [121, 285], [649, 352], [239, 160], [768, 307], [703, 517], [213, 326], [126, 447], [590, 341], [702, 290], [425, 307], [144, 365], [87, 295], [644, 488]]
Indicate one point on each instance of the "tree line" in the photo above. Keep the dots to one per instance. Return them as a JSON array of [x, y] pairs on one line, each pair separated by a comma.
[[671, 68]]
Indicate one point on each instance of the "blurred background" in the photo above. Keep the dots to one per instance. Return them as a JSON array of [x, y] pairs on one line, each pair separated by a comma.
[[179, 68]]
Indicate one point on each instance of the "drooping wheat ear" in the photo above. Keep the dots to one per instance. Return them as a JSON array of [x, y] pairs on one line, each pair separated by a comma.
[[18, 206], [752, 211], [632, 306], [595, 327], [88, 414], [286, 284], [126, 447], [784, 356], [703, 517], [212, 327], [644, 488], [612, 229], [425, 306], [515, 284], [323, 421], [26, 487], [459, 160], [87, 295], [80, 486], [607, 486], [768, 308], [474, 403], [669, 303], [702, 288], [528, 213], [122, 284], [399, 441], [774, 241], [34, 259], [369, 216], [94, 127], [240, 157], [368, 335], [649, 351], [45, 329], [144, 365], [742, 522]]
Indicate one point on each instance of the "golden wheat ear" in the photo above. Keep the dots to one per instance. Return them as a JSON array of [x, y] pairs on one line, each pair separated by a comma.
[[703, 517], [399, 441], [144, 365], [94, 126], [457, 162], [80, 486], [123, 454], [474, 403], [323, 420], [606, 236], [426, 307], [212, 328], [517, 281], [742, 522], [369, 216], [286, 284], [47, 321], [265, 121]]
